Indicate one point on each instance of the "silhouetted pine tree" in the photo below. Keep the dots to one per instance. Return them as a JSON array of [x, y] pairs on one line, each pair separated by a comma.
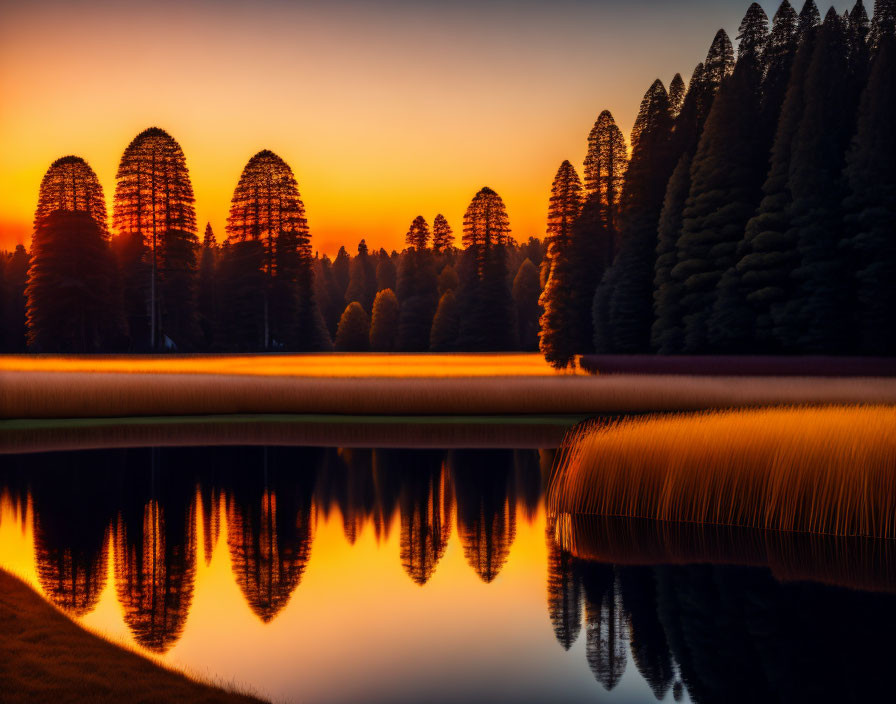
[[385, 273], [623, 306], [14, 310], [558, 324], [677, 90], [816, 317], [486, 306], [384, 322], [442, 235], [267, 208], [871, 204], [155, 218], [809, 17], [207, 294], [362, 282], [767, 255], [526, 292], [342, 267], [883, 22], [418, 234], [726, 174], [72, 301], [353, 333], [418, 297], [445, 324], [667, 331], [780, 51]]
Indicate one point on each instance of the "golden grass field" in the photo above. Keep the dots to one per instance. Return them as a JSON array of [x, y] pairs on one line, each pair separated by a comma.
[[45, 657], [376, 384], [825, 470]]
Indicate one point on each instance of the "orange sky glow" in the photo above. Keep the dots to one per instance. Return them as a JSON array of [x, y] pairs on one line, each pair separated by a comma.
[[383, 110]]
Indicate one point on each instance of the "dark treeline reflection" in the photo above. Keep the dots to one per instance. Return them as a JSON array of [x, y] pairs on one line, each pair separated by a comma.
[[148, 500], [716, 632]]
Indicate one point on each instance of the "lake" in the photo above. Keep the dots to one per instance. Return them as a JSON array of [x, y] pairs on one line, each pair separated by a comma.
[[405, 575]]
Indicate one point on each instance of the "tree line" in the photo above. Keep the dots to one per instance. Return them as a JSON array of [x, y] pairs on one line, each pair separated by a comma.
[[757, 212], [752, 211]]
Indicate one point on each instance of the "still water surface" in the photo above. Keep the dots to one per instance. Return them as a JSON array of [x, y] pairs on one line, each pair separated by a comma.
[[347, 575]]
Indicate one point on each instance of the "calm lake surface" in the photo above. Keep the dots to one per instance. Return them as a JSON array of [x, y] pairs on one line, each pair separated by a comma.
[[350, 575]]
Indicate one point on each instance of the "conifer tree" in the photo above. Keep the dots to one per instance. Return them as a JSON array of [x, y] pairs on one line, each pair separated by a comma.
[[72, 299], [385, 273], [726, 175], [605, 165], [342, 267], [719, 63], [883, 22], [667, 330], [207, 295], [558, 325], [442, 235], [353, 333], [418, 298], [767, 256], [623, 307], [780, 51], [155, 218], [815, 318], [267, 208], [677, 90], [526, 292], [15, 277], [486, 310], [418, 234], [384, 322], [871, 204], [809, 17], [445, 324], [362, 280]]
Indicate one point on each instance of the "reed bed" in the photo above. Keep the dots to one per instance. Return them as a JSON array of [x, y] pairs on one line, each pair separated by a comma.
[[103, 394], [826, 470], [856, 563]]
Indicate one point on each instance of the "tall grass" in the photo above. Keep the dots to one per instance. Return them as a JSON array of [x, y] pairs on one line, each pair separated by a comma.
[[827, 470]]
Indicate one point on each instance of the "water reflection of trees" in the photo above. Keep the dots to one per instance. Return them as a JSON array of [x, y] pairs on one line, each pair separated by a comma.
[[155, 547], [486, 515], [270, 523]]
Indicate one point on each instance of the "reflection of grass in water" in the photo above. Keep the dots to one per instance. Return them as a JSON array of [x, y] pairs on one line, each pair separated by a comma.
[[47, 658], [855, 562], [829, 470]]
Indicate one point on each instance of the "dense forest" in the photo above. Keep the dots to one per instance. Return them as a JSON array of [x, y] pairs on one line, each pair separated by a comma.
[[752, 210]]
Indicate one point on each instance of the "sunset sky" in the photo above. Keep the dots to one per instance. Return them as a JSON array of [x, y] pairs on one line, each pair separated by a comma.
[[384, 110]]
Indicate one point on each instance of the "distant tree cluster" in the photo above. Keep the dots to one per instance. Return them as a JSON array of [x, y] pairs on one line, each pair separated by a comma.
[[757, 211]]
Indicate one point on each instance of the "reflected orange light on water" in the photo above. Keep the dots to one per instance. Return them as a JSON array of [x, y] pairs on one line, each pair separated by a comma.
[[346, 590]]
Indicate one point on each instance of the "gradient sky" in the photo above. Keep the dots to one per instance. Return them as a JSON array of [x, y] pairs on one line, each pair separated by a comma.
[[384, 110]]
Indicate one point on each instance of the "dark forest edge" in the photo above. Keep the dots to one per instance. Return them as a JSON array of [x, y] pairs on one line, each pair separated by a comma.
[[755, 215]]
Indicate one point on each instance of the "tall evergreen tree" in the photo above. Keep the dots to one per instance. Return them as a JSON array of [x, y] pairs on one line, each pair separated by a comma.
[[871, 204], [809, 17], [155, 219], [418, 234], [816, 316], [623, 310], [15, 277], [442, 235], [418, 297], [72, 298], [883, 22], [267, 208], [677, 90], [767, 255], [558, 324], [726, 174], [486, 306], [780, 51]]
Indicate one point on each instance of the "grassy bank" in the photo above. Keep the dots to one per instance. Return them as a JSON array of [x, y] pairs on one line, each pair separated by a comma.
[[103, 394], [440, 432], [44, 657], [823, 470]]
